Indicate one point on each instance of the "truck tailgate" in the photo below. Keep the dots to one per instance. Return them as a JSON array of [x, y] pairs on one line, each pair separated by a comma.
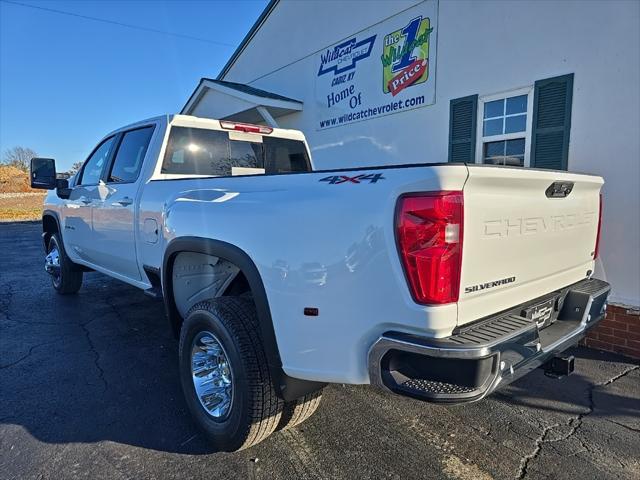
[[521, 243]]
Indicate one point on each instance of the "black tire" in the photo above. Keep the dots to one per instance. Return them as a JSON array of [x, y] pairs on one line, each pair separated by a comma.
[[297, 411], [69, 279], [255, 407]]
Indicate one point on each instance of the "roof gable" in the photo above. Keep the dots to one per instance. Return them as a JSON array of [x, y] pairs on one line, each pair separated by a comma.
[[240, 91], [247, 38]]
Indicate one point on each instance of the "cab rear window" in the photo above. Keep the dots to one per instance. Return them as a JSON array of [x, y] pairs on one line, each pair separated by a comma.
[[198, 151]]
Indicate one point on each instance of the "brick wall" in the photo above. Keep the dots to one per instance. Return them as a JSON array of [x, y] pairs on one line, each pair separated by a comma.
[[619, 332]]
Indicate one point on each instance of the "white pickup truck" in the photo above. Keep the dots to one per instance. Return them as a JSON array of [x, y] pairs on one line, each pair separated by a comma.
[[441, 282]]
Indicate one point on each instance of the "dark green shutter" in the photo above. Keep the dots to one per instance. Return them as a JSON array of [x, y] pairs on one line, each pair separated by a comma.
[[463, 113], [551, 122]]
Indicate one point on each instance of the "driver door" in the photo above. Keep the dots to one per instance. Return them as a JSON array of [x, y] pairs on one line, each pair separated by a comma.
[[114, 214], [77, 211]]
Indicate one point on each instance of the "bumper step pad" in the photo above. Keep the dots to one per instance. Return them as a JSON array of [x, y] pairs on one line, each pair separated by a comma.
[[491, 330], [435, 387]]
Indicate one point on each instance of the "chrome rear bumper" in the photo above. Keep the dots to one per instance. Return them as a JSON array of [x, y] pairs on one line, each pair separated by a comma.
[[488, 354]]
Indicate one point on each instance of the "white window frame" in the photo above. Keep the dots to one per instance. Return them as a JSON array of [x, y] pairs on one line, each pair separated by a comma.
[[481, 140]]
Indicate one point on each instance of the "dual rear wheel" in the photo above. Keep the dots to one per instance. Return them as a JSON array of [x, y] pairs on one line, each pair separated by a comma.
[[226, 379]]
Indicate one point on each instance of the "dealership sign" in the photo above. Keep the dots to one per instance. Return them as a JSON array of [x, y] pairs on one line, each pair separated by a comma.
[[343, 57], [388, 68]]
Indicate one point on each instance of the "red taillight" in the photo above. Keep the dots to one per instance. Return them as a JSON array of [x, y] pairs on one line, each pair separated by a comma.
[[246, 127], [597, 249], [429, 234]]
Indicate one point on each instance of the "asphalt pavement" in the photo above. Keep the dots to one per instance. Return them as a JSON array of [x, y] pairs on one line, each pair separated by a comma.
[[89, 389]]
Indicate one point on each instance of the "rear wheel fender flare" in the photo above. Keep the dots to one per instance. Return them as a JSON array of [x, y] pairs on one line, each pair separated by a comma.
[[288, 388], [227, 251]]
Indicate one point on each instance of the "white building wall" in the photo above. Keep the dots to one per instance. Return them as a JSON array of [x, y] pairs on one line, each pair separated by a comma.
[[482, 48], [297, 29]]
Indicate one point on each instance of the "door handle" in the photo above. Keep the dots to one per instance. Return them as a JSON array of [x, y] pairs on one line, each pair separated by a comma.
[[125, 202]]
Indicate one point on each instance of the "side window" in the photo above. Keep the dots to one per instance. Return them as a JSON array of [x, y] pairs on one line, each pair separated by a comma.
[[283, 155], [130, 155], [92, 169]]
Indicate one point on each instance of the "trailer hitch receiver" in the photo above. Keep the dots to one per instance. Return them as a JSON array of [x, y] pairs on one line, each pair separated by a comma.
[[559, 366]]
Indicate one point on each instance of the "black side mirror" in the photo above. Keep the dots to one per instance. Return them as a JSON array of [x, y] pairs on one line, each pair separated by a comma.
[[62, 188], [43, 176], [43, 173]]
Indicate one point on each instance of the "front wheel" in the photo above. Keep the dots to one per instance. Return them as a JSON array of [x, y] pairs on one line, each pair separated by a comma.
[[224, 374], [66, 278]]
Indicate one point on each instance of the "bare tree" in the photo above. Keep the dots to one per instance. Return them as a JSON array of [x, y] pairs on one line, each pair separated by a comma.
[[19, 157], [74, 168]]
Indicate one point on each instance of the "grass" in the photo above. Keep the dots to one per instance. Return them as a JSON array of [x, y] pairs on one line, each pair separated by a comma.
[[23, 208]]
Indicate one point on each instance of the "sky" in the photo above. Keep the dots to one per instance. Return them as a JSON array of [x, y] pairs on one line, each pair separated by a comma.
[[66, 81]]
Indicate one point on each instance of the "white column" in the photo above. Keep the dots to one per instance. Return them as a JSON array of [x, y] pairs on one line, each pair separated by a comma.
[[267, 116]]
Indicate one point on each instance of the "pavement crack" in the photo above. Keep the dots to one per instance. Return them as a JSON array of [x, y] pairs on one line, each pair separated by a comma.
[[96, 353], [6, 298], [617, 377], [22, 322], [115, 309], [524, 462], [574, 422], [27, 355], [580, 417], [120, 317], [5, 301], [632, 429]]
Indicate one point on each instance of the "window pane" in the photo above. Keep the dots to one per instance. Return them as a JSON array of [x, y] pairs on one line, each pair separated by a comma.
[[510, 152], [492, 150], [492, 127], [515, 147], [494, 109], [514, 124], [196, 151], [244, 155], [284, 155], [514, 153], [130, 156], [92, 170], [517, 104]]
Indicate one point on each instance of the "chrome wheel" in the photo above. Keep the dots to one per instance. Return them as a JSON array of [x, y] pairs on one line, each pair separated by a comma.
[[211, 374], [52, 263]]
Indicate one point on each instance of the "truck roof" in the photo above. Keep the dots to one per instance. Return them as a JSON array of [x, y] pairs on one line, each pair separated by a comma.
[[175, 119]]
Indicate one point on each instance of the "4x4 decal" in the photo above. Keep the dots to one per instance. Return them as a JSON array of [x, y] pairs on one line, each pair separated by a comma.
[[338, 179]]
